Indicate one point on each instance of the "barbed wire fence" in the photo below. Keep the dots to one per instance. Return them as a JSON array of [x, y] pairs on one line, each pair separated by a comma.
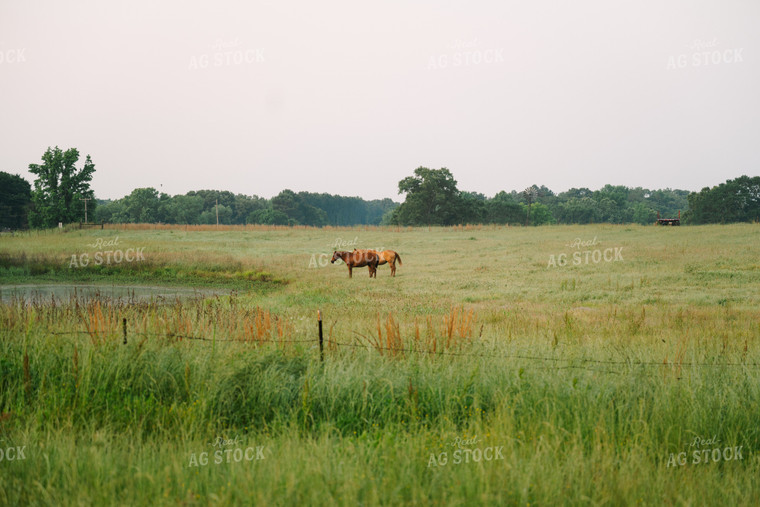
[[553, 363]]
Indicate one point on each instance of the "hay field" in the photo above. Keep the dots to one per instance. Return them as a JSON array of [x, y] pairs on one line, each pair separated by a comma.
[[570, 365]]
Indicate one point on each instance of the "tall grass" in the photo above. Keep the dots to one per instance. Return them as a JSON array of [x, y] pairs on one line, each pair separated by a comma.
[[586, 378]]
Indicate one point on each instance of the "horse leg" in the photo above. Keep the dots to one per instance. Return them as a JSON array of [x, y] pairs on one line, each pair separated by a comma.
[[350, 274], [393, 267]]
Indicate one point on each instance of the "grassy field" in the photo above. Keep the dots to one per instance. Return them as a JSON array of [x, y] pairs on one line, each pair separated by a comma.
[[501, 366]]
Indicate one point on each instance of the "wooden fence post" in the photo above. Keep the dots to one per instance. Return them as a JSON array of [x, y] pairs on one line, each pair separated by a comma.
[[321, 349], [124, 329]]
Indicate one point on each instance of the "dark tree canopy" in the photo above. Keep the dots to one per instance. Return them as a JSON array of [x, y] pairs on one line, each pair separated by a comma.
[[735, 200], [15, 200], [433, 199], [202, 207]]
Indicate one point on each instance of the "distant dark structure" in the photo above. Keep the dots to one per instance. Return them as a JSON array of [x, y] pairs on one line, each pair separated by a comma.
[[669, 221]]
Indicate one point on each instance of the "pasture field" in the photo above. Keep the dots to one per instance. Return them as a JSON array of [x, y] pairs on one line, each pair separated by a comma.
[[501, 366]]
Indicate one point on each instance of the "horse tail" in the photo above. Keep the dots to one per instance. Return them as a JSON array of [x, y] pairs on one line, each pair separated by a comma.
[[398, 258]]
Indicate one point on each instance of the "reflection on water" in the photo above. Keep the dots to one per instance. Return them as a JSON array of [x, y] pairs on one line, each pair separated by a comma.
[[58, 293]]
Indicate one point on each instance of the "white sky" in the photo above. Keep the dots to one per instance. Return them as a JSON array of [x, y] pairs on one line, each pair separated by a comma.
[[349, 97]]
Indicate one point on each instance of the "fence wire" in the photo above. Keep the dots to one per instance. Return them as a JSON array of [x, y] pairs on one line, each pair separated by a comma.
[[490, 355]]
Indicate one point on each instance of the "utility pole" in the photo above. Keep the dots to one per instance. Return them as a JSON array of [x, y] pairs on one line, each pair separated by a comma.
[[85, 199], [217, 213]]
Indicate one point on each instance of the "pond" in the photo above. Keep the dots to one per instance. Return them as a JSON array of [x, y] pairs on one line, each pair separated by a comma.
[[47, 293]]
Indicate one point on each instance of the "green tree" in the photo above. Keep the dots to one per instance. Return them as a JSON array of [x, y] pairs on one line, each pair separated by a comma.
[[612, 204], [141, 206], [668, 202], [608, 210], [60, 187], [643, 214], [577, 210], [298, 210], [502, 209], [212, 197], [746, 192], [472, 208], [15, 200], [268, 216], [432, 198], [529, 194], [376, 210], [286, 202], [184, 209], [540, 214], [340, 210], [210, 215], [244, 206], [109, 211], [733, 201]]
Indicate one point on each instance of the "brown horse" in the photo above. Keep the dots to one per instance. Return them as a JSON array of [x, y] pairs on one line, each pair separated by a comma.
[[386, 256], [358, 259]]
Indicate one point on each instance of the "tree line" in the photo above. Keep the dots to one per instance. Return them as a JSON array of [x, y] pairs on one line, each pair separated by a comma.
[[61, 191], [736, 200], [432, 198], [147, 205]]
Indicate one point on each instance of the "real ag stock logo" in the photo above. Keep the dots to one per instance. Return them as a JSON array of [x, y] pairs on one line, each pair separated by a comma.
[[465, 451], [706, 450], [465, 53], [323, 259], [12, 453], [106, 254], [12, 56], [583, 254], [224, 451], [705, 53], [226, 53]]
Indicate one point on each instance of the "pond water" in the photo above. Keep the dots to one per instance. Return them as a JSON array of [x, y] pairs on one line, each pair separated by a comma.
[[46, 293]]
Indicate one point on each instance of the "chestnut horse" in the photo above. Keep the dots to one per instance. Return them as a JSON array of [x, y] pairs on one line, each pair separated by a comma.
[[358, 259], [386, 256]]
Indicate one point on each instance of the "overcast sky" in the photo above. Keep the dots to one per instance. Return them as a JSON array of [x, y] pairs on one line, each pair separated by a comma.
[[349, 97]]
